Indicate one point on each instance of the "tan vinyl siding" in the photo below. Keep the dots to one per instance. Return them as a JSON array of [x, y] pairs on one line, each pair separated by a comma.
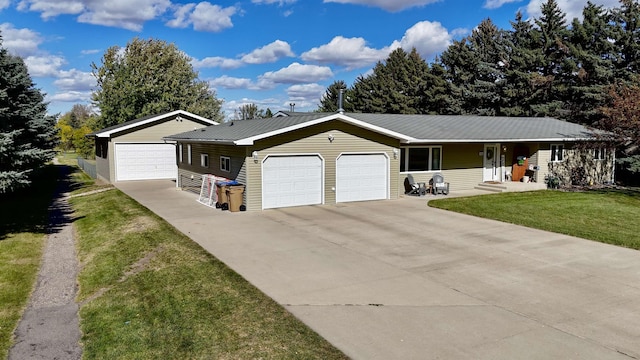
[[461, 167], [315, 140], [156, 131]]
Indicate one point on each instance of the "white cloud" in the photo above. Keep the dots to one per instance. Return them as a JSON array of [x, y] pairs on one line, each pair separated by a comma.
[[44, 66], [216, 61], [23, 42], [75, 80], [181, 14], [228, 82], [69, 96], [52, 8], [297, 74], [389, 5], [573, 8], [495, 4], [279, 2], [123, 14], [204, 17], [129, 15], [351, 53], [268, 53], [429, 38], [89, 51], [305, 92], [4, 4]]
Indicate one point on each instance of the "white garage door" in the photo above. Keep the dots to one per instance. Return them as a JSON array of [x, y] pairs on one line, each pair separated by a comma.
[[145, 161], [361, 177], [291, 181]]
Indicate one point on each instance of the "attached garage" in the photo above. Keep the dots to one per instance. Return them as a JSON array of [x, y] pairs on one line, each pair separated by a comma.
[[145, 161], [292, 181], [362, 177]]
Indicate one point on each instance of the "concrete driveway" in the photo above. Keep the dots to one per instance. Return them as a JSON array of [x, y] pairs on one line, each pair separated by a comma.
[[398, 280]]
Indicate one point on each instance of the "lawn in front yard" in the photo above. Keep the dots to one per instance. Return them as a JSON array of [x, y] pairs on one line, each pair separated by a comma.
[[606, 215], [149, 292]]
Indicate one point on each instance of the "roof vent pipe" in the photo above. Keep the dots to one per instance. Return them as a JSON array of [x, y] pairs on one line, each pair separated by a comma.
[[340, 99]]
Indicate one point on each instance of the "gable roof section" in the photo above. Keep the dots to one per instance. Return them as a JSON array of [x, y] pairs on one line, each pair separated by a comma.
[[131, 124], [246, 132], [409, 129]]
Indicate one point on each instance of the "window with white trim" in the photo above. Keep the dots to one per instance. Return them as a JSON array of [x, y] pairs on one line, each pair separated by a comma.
[[204, 160], [180, 152], [557, 152], [225, 163], [600, 154], [189, 154], [423, 158]]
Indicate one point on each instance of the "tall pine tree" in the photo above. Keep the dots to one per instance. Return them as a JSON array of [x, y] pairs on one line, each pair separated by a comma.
[[27, 133], [593, 53]]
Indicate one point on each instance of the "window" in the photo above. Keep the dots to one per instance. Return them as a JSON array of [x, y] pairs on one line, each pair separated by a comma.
[[427, 158], [557, 153], [189, 154], [599, 154], [180, 152], [204, 160], [225, 163]]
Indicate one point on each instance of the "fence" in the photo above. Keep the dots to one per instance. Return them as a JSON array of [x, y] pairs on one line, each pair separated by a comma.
[[88, 167]]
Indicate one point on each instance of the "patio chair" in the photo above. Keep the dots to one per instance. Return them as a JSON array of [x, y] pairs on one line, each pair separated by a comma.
[[438, 185], [414, 188]]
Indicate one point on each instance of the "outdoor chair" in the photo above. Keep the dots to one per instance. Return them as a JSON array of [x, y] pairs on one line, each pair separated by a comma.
[[414, 188], [438, 185]]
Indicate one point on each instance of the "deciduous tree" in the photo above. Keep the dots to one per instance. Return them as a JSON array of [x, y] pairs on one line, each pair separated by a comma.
[[149, 77]]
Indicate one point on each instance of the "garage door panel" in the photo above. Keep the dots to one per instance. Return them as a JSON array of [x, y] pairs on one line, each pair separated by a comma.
[[362, 177], [145, 161], [291, 181]]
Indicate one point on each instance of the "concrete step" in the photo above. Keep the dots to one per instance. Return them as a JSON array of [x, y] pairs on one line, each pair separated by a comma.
[[496, 188]]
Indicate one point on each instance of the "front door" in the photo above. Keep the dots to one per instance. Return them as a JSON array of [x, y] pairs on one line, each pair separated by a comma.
[[491, 163]]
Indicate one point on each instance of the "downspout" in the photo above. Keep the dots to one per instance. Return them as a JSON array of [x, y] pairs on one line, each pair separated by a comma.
[[613, 169]]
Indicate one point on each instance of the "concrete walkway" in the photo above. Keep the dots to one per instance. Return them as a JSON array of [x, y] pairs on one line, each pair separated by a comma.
[[398, 280], [49, 328]]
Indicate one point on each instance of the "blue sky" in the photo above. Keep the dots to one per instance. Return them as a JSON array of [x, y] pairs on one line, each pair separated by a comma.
[[268, 52]]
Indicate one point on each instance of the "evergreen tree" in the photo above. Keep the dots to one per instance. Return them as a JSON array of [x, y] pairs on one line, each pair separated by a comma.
[[396, 86], [460, 64], [626, 38], [489, 46], [593, 52], [517, 93], [329, 100], [441, 96], [554, 65], [149, 77], [27, 133]]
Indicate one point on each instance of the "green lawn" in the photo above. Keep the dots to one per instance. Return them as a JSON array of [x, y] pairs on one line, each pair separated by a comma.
[[609, 216], [147, 291], [22, 235]]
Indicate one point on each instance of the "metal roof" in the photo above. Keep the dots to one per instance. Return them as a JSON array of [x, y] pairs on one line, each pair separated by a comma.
[[407, 128]]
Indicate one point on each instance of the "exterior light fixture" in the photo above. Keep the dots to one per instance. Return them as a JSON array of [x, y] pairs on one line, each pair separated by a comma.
[[330, 137], [255, 156], [395, 153]]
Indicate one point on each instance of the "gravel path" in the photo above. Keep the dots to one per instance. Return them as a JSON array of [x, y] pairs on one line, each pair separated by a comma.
[[49, 328]]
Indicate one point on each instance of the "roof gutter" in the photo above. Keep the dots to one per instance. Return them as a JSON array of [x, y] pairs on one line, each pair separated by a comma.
[[422, 141]]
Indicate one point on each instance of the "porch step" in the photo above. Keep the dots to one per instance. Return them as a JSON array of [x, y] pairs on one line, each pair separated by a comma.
[[496, 188], [510, 187]]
